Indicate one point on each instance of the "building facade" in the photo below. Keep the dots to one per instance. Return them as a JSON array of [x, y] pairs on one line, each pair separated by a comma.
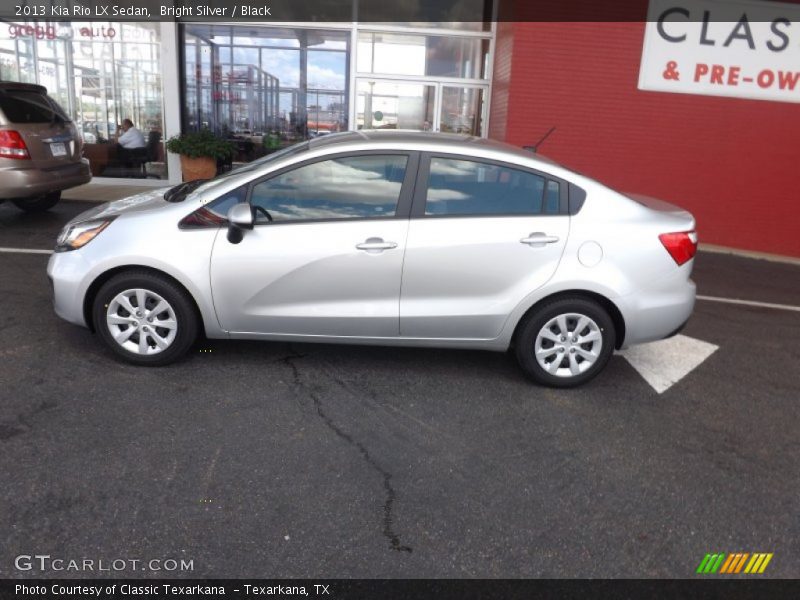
[[262, 86], [724, 149], [734, 162]]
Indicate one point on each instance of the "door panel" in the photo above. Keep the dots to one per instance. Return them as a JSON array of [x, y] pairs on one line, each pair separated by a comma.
[[462, 277], [483, 236], [310, 279], [330, 261]]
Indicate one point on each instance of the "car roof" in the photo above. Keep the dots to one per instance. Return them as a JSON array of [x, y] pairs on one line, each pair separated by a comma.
[[28, 87], [402, 138], [397, 136]]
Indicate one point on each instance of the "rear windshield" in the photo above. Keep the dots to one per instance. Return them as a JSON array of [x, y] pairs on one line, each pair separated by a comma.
[[22, 106]]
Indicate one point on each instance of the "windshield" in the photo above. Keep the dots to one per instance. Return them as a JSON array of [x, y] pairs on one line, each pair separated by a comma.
[[180, 191], [252, 166]]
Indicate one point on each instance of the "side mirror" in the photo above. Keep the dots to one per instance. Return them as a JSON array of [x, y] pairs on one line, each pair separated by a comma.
[[240, 218]]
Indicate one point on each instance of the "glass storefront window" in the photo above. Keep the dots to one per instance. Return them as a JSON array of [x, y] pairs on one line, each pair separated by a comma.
[[395, 105], [101, 73], [264, 87], [462, 110], [422, 55]]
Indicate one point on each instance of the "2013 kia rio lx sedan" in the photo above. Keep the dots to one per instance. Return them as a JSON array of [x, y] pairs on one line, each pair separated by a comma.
[[390, 238]]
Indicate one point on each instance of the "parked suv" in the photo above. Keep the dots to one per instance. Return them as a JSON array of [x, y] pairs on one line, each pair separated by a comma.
[[40, 148]]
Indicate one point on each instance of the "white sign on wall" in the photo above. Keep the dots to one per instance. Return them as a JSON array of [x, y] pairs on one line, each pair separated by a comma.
[[722, 48]]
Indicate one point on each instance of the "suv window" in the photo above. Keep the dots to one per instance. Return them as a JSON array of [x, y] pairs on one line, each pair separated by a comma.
[[338, 188], [465, 187], [23, 106]]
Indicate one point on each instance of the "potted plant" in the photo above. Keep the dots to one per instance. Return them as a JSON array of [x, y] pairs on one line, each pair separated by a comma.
[[200, 152]]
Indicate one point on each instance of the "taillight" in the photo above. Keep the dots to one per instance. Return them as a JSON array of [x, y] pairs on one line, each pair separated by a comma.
[[12, 145], [682, 246]]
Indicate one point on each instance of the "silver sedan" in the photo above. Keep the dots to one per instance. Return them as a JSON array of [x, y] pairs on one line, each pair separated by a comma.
[[389, 238]]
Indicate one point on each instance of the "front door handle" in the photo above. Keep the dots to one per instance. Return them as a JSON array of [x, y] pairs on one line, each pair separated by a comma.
[[376, 244], [538, 239]]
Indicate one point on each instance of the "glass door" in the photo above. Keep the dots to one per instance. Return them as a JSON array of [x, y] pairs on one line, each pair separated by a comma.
[[420, 106]]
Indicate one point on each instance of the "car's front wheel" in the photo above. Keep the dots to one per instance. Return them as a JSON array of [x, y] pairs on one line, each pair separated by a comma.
[[566, 342], [38, 203], [145, 318]]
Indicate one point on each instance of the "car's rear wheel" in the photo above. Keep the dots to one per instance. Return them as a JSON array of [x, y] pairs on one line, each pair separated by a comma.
[[38, 203], [145, 318], [566, 342]]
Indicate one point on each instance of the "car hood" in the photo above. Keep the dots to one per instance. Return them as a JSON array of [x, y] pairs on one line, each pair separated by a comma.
[[144, 202]]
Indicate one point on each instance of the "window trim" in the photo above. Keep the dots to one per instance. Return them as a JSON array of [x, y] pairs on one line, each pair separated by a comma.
[[421, 188]]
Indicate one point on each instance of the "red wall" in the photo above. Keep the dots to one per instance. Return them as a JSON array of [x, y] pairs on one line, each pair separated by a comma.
[[735, 164]]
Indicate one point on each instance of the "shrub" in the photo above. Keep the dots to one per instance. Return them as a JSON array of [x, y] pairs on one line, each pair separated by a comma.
[[197, 144]]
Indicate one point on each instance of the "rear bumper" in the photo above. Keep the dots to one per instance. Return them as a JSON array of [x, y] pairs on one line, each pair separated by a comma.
[[28, 182], [658, 312]]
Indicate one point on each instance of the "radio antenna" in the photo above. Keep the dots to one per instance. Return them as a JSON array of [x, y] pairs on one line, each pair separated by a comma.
[[535, 147]]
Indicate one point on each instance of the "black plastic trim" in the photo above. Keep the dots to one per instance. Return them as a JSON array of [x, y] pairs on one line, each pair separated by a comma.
[[577, 196]]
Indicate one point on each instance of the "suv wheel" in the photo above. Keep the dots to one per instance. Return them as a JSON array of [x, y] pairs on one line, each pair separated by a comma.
[[38, 203], [566, 342], [145, 318]]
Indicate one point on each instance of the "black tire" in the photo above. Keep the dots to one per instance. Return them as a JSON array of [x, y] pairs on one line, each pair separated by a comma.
[[38, 203], [575, 307], [180, 303]]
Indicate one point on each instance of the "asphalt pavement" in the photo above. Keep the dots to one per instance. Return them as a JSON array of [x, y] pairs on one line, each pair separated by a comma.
[[275, 460]]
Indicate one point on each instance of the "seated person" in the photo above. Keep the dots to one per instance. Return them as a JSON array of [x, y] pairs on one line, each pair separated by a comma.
[[130, 142]]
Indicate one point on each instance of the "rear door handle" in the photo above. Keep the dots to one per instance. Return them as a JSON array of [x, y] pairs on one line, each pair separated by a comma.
[[376, 244], [538, 239]]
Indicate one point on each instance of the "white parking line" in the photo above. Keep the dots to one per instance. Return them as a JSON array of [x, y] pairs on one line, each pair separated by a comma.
[[750, 303], [25, 251]]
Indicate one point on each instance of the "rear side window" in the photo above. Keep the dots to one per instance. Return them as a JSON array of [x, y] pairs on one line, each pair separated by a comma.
[[22, 106], [340, 188], [464, 187]]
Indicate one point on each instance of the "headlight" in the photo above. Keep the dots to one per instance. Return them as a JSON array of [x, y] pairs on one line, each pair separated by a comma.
[[78, 235]]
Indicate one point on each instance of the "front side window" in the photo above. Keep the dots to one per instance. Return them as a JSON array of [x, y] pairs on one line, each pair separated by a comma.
[[340, 188], [464, 187]]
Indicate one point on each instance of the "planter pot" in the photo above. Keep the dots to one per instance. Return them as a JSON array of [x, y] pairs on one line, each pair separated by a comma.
[[198, 168]]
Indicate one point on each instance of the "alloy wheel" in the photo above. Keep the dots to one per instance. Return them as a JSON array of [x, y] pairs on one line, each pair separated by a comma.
[[568, 345], [141, 321]]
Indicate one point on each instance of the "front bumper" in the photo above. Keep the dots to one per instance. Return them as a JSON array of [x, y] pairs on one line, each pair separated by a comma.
[[67, 272]]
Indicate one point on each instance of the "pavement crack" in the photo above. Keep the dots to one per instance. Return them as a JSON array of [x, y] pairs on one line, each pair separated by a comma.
[[388, 506], [9, 429]]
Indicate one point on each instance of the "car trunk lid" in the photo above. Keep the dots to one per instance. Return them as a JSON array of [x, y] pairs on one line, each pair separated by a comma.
[[677, 227], [661, 206]]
